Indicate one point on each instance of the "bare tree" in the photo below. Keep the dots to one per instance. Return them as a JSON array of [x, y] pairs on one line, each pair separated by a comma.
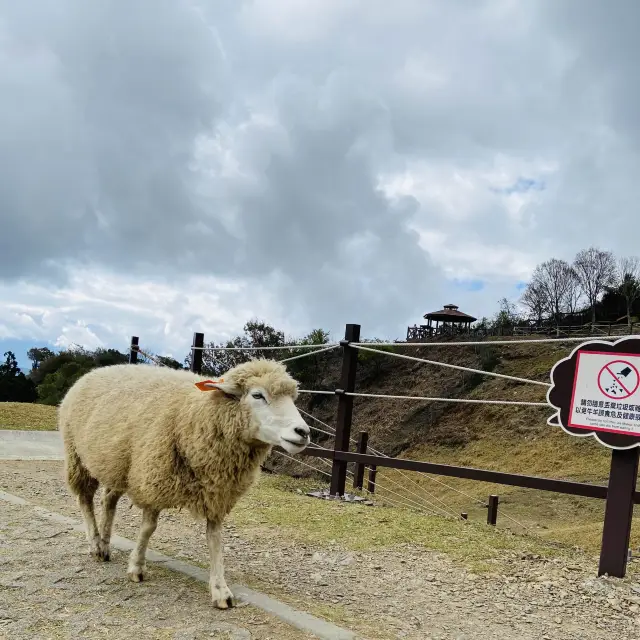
[[575, 297], [596, 270], [535, 301], [628, 282], [507, 316], [555, 282]]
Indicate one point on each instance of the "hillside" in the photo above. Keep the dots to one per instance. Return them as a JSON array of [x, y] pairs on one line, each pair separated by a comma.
[[398, 426], [506, 438]]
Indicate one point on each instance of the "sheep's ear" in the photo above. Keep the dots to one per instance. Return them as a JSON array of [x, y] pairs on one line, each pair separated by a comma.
[[228, 388]]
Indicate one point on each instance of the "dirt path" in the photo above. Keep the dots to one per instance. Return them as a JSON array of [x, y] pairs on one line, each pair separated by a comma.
[[403, 593], [49, 590]]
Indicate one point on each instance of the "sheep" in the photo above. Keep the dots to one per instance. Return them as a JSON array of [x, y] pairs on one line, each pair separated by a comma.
[[155, 435]]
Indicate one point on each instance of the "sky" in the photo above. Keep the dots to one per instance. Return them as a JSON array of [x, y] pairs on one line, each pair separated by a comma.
[[171, 166]]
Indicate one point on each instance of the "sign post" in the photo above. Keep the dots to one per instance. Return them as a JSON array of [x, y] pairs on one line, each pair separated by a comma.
[[596, 392]]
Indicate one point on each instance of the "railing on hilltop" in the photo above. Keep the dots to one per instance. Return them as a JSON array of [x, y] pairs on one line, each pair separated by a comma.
[[424, 333]]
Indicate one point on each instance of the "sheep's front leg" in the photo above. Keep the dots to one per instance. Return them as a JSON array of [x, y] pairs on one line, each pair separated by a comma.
[[220, 593], [137, 565]]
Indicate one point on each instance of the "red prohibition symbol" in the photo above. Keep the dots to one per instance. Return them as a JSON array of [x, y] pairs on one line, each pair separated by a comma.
[[618, 380]]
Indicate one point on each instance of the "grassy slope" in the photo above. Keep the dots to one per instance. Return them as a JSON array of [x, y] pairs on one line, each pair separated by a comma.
[[518, 440], [36, 417]]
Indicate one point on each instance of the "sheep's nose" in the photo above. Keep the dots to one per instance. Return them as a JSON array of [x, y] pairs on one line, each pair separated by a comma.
[[303, 432]]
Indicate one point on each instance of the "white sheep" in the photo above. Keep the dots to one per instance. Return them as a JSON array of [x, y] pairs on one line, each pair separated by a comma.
[[168, 438]]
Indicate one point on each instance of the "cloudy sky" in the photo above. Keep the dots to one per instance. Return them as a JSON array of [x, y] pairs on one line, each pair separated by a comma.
[[168, 166]]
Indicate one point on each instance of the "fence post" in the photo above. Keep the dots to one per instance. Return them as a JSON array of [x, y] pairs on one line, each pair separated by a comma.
[[345, 407], [618, 512], [358, 473], [371, 484], [196, 352], [133, 350], [492, 514]]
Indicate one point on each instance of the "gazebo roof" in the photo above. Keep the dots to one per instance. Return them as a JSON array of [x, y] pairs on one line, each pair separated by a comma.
[[449, 313]]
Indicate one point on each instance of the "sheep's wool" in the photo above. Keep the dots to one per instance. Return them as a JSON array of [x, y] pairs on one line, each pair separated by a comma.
[[151, 434]]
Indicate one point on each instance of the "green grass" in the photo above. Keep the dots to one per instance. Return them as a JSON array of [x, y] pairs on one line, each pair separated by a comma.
[[33, 417]]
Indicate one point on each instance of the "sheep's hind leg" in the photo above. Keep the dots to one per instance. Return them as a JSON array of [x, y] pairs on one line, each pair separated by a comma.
[[84, 486], [86, 494], [137, 564], [220, 592], [109, 504]]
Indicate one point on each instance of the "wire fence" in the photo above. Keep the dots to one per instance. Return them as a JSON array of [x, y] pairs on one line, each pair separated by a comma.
[[409, 493]]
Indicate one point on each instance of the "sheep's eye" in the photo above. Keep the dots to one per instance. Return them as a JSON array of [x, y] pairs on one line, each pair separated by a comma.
[[257, 395]]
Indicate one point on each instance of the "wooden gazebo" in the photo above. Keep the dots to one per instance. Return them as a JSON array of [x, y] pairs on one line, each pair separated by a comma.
[[448, 321]]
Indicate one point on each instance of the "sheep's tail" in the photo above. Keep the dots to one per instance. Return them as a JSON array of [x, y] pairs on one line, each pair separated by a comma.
[[77, 477]]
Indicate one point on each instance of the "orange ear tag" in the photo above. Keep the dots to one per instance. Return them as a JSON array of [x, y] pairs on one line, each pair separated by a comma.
[[202, 385]]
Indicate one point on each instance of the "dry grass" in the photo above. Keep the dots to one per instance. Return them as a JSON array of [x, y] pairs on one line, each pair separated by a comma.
[[517, 440], [505, 438], [33, 417], [276, 505]]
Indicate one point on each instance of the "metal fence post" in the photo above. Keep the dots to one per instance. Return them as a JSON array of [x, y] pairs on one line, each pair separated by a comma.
[[358, 473], [371, 484], [133, 350], [618, 512], [196, 352], [345, 407], [492, 514]]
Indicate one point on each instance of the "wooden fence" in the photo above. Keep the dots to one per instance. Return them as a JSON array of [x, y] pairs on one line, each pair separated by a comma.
[[620, 493]]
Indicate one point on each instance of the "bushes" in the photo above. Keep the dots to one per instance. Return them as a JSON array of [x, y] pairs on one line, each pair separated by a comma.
[[57, 372]]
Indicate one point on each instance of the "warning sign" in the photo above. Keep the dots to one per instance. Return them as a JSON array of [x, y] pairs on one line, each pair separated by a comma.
[[618, 379], [606, 393]]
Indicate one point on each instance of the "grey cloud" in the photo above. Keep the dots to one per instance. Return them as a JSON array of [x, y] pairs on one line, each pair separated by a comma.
[[103, 102]]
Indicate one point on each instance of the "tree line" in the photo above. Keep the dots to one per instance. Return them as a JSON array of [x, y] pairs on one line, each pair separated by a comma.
[[597, 285], [52, 374]]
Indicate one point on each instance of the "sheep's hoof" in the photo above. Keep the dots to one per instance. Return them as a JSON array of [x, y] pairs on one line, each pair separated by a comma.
[[222, 598], [101, 552], [224, 604], [136, 574]]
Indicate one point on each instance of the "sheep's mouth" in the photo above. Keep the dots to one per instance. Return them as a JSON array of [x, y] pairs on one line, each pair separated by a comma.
[[299, 443]]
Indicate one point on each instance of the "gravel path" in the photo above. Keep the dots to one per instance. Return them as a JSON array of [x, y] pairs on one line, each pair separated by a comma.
[[49, 590], [403, 593]]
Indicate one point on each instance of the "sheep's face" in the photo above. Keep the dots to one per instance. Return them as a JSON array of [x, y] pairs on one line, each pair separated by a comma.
[[276, 420]]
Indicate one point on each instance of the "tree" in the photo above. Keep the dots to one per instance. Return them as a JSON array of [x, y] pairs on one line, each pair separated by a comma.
[[9, 368], [55, 385], [556, 282], [38, 355], [172, 363], [596, 270], [535, 301], [257, 333], [507, 316], [628, 283], [316, 336], [56, 372], [14, 385]]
